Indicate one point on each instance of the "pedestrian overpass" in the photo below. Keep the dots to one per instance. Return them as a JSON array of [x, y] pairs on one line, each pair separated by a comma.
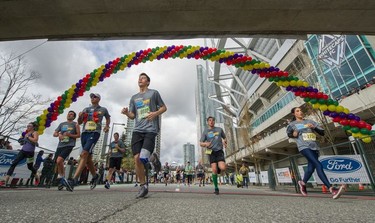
[[119, 19]]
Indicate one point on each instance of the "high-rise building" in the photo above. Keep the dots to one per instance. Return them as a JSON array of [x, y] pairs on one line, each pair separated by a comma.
[[129, 132], [189, 153]]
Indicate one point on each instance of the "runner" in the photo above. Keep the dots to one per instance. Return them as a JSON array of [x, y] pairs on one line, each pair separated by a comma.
[[91, 117], [166, 171], [29, 141], [189, 173], [200, 173], [116, 152], [303, 130], [214, 140], [145, 107], [68, 132]]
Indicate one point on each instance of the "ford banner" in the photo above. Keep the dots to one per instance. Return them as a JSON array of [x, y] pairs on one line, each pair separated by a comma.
[[6, 159], [343, 169]]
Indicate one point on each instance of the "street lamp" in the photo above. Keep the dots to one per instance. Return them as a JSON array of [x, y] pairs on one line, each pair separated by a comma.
[[113, 124]]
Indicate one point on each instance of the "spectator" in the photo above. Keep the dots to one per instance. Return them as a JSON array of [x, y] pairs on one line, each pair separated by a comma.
[[47, 171], [8, 146]]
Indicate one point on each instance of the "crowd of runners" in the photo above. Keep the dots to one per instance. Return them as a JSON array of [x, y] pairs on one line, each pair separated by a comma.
[[145, 108]]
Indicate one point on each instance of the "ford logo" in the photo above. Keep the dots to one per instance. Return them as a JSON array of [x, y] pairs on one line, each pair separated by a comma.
[[6, 159], [340, 165]]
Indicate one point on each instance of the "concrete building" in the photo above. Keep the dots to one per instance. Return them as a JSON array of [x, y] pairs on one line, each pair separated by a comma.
[[189, 153], [259, 110]]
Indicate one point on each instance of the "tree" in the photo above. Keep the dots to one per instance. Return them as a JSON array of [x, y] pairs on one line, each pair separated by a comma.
[[18, 104]]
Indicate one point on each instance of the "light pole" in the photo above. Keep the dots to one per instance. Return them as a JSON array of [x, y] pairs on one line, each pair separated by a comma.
[[113, 124]]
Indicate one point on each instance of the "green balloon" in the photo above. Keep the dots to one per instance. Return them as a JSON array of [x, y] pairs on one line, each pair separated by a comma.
[[87, 88], [354, 129], [276, 79], [372, 132], [307, 99], [270, 79], [313, 101], [364, 131], [61, 111], [322, 101], [336, 103], [347, 127], [330, 101]]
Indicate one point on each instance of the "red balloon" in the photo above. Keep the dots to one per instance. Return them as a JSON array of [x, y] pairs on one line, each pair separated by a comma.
[[336, 119], [344, 122], [319, 95], [353, 123], [362, 124], [297, 94], [304, 94], [313, 95], [325, 97], [368, 127]]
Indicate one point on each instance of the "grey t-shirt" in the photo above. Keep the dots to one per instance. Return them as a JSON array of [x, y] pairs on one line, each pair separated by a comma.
[[199, 168], [114, 150], [143, 103], [69, 127], [93, 116], [306, 138], [215, 136]]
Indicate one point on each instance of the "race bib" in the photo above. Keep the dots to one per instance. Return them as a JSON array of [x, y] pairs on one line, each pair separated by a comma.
[[30, 160], [65, 139], [309, 136], [208, 151], [115, 150], [90, 125], [143, 112]]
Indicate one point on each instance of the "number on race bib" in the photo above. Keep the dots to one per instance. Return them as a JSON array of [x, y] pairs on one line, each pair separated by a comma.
[[90, 125], [309, 136]]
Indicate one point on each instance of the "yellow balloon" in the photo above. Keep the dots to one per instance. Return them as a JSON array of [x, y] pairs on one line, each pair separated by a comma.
[[356, 135], [286, 84], [299, 83], [40, 132], [293, 83], [366, 140], [279, 83], [339, 109], [305, 84], [332, 108], [346, 111], [316, 106], [323, 107]]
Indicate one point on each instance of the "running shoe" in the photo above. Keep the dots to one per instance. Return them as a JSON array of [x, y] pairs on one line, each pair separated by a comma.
[[336, 193], [135, 185], [94, 181], [216, 191], [60, 184], [107, 185], [67, 185], [143, 191], [302, 188]]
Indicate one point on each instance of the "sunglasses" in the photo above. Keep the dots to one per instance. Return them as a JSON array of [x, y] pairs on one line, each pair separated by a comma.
[[94, 97]]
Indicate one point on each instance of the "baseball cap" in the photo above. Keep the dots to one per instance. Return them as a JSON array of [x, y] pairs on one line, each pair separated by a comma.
[[95, 94]]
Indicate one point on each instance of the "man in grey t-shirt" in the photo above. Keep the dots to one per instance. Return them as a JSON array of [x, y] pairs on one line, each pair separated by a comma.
[[214, 140], [116, 152], [91, 118], [68, 132], [145, 107]]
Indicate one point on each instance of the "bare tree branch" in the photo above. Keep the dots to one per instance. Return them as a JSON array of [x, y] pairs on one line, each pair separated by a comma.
[[17, 104]]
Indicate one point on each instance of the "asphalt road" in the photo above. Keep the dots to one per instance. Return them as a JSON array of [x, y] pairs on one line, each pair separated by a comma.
[[189, 204]]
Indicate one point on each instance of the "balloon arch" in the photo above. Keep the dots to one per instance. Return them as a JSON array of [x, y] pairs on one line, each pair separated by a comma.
[[320, 101]]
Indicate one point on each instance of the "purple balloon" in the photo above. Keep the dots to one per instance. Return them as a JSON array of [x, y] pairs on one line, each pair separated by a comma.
[[302, 89], [295, 89], [315, 90], [333, 114], [326, 113], [253, 71], [351, 116], [357, 118], [289, 88], [342, 115]]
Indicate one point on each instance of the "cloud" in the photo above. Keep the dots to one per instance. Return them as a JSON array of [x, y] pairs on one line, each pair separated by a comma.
[[63, 63]]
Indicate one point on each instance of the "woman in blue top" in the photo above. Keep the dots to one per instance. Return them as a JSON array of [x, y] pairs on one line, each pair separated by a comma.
[[303, 130]]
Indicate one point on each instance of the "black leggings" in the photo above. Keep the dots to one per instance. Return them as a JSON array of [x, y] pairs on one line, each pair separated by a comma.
[[23, 155]]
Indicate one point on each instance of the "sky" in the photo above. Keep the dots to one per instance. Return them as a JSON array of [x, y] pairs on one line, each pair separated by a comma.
[[63, 63]]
